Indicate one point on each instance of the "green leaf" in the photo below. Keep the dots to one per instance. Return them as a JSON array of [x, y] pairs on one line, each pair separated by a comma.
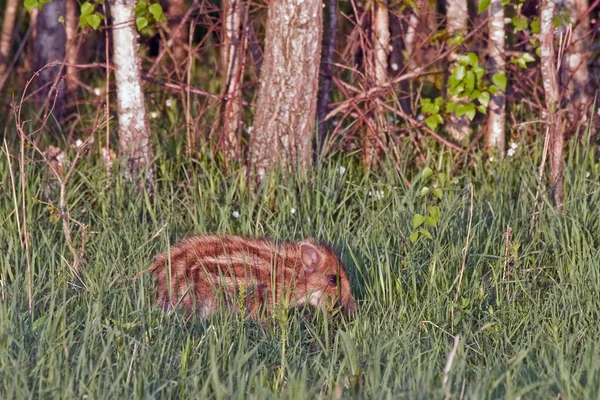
[[470, 113], [442, 178], [482, 109], [430, 221], [418, 220], [450, 106], [535, 26], [484, 98], [494, 90], [141, 23], [460, 72], [499, 80], [520, 23], [61, 19], [456, 40], [428, 107], [157, 12], [433, 121], [527, 57], [470, 81], [94, 20], [31, 5], [427, 172], [425, 233], [437, 192], [424, 191], [434, 211], [414, 236], [473, 59], [140, 8], [86, 9], [483, 6]]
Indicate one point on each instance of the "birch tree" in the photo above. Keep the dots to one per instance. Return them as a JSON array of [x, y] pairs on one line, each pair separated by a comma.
[[457, 15], [575, 72], [8, 25], [72, 49], [551, 90], [134, 133], [495, 135], [49, 46], [233, 56], [287, 96]]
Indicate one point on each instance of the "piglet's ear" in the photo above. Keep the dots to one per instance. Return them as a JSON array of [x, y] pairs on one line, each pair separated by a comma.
[[310, 256]]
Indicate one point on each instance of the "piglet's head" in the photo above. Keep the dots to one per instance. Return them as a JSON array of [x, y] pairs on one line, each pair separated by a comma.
[[326, 280]]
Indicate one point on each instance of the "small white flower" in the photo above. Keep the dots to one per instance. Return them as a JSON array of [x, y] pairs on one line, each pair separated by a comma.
[[598, 111], [587, 174], [342, 170], [235, 214], [378, 194], [60, 158], [334, 122], [390, 118], [170, 102], [513, 145], [97, 91], [510, 152], [420, 117], [491, 159], [293, 210], [249, 129], [394, 67], [153, 115], [78, 143], [455, 181]]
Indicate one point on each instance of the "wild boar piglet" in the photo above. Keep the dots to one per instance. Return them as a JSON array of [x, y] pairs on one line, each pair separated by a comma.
[[251, 274]]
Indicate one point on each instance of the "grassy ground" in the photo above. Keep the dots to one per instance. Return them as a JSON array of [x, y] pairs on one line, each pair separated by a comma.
[[528, 323]]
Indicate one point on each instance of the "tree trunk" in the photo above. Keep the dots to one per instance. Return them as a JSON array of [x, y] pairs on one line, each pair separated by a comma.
[[326, 70], [8, 25], [287, 97], [575, 72], [457, 15], [495, 136], [71, 22], [134, 132], [550, 81], [49, 46], [381, 45], [179, 37], [233, 57]]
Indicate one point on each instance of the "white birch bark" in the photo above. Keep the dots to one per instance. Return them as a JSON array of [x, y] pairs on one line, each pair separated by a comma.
[[551, 91], [49, 46], [575, 71], [457, 15], [233, 56], [134, 133], [495, 135], [8, 25], [287, 97]]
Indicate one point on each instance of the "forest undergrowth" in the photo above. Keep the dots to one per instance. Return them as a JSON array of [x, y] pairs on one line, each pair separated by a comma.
[[496, 305]]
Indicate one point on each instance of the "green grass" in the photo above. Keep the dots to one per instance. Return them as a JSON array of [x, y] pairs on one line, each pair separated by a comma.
[[534, 334]]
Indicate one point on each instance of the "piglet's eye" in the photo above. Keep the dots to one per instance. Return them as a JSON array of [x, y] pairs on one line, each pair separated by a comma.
[[332, 280]]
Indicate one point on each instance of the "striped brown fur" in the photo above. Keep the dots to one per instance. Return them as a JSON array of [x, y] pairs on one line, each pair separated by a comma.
[[252, 274]]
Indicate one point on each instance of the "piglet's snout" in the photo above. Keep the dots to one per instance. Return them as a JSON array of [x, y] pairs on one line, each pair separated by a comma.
[[349, 307]]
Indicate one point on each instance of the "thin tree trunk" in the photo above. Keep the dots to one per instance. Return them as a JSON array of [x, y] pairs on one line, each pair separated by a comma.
[[134, 133], [495, 136], [179, 37], [327, 69], [287, 98], [381, 45], [550, 81], [233, 57], [71, 22], [49, 46], [8, 26], [457, 15], [575, 71]]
